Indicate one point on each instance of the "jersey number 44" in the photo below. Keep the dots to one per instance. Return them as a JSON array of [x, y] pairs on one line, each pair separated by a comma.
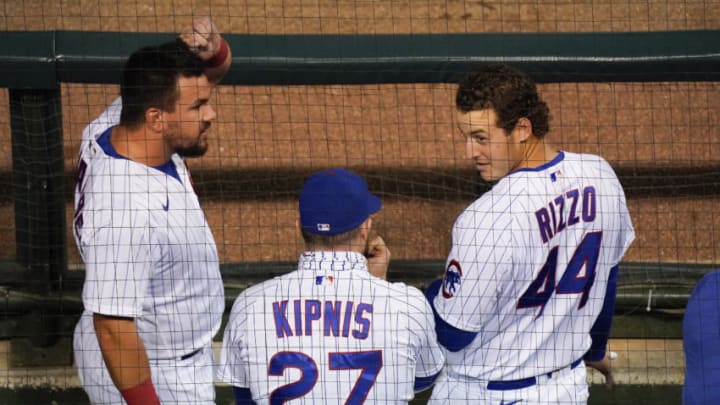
[[578, 277]]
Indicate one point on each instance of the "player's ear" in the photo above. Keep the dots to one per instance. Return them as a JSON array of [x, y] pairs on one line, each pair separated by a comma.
[[365, 228], [154, 118], [297, 226], [523, 130]]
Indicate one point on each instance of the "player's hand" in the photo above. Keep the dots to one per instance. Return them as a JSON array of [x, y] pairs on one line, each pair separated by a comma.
[[378, 256], [604, 366], [202, 37]]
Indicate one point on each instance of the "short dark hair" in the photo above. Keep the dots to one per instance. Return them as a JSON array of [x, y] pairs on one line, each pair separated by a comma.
[[510, 92], [149, 79], [340, 239]]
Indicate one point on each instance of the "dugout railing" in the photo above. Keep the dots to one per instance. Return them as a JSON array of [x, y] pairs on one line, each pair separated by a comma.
[[41, 297]]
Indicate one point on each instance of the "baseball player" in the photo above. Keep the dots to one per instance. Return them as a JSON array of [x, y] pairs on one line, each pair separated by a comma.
[[701, 343], [529, 287], [331, 331], [153, 295]]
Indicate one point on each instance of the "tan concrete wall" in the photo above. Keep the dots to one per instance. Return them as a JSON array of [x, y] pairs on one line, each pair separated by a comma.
[[366, 16], [264, 130], [273, 131]]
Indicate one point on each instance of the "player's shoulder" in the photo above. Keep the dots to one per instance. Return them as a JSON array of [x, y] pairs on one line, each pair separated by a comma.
[[708, 287], [259, 290], [255, 294], [401, 293], [492, 208], [243, 305], [593, 168], [587, 160]]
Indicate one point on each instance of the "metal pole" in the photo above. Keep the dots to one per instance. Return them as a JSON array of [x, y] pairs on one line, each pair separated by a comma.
[[39, 194]]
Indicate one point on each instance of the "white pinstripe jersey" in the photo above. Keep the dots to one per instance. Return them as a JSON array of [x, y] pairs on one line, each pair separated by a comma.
[[148, 251], [333, 329], [529, 265]]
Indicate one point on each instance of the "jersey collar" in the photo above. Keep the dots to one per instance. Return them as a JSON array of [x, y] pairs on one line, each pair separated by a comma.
[[104, 142], [557, 159], [332, 261]]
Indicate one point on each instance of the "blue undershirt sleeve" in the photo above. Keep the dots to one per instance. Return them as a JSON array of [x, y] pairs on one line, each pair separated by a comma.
[[243, 396], [600, 331], [450, 337], [423, 383]]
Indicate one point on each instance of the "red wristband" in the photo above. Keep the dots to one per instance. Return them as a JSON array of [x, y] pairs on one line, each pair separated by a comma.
[[143, 394], [220, 57]]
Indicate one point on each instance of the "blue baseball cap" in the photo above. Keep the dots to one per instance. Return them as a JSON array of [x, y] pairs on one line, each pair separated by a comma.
[[335, 201]]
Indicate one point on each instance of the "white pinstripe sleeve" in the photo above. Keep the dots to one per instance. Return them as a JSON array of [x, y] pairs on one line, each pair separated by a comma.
[[626, 232], [233, 365], [118, 262], [430, 358], [480, 257]]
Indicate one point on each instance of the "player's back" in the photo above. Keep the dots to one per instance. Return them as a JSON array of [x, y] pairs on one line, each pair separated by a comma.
[[340, 336], [576, 225], [541, 280]]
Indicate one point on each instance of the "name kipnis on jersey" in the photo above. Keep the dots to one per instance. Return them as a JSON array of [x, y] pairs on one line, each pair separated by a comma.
[[333, 318]]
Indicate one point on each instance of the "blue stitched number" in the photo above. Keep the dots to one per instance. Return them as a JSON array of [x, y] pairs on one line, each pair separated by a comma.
[[573, 281], [369, 362], [540, 290], [78, 221], [585, 257], [279, 362]]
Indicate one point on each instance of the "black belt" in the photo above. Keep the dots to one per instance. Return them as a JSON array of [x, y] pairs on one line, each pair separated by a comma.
[[523, 382], [187, 356]]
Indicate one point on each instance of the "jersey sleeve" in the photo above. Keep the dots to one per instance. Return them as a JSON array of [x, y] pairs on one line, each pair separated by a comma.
[[233, 365], [119, 257], [480, 255], [430, 357], [108, 118], [626, 232], [600, 331], [623, 233]]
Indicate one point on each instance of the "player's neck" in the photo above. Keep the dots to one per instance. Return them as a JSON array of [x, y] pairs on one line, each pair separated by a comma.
[[538, 152], [140, 145], [357, 246], [314, 247]]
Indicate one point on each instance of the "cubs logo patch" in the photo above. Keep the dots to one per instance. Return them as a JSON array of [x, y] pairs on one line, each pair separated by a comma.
[[452, 279]]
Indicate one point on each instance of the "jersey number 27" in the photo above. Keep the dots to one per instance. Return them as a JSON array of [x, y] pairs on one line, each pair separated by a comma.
[[369, 362], [573, 281]]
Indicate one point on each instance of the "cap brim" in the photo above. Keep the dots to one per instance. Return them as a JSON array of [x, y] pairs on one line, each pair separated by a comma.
[[373, 203]]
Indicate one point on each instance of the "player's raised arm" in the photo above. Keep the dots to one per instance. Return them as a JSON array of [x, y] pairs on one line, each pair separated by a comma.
[[204, 39]]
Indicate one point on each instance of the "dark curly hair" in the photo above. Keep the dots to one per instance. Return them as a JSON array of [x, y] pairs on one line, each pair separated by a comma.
[[150, 77], [510, 92]]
